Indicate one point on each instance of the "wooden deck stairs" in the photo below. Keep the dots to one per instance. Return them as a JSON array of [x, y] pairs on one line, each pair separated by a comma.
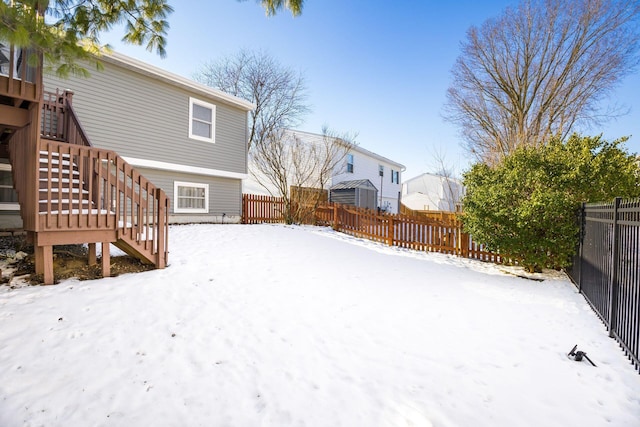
[[69, 191], [64, 198]]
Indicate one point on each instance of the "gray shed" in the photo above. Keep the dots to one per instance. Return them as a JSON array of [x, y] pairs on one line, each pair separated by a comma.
[[361, 193]]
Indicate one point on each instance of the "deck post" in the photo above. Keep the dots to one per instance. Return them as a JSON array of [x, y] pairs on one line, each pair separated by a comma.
[[39, 254], [106, 260], [160, 220], [93, 260], [44, 263]]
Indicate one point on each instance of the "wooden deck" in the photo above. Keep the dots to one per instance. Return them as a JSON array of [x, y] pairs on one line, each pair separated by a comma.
[[69, 191]]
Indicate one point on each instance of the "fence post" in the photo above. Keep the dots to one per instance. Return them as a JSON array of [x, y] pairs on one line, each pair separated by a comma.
[[335, 217], [583, 228], [465, 244], [390, 230], [243, 215], [613, 284]]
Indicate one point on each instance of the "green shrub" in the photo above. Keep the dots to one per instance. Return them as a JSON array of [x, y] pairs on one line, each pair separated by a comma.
[[526, 206]]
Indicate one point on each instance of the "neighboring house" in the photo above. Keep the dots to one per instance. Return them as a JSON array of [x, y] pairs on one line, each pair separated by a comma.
[[385, 174], [431, 192], [358, 165], [185, 137]]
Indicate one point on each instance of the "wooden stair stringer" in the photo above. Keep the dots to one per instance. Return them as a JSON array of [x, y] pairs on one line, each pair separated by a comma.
[[135, 249]]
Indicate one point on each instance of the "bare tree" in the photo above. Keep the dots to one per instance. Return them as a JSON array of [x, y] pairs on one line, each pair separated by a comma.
[[287, 160], [539, 69], [452, 188], [278, 92]]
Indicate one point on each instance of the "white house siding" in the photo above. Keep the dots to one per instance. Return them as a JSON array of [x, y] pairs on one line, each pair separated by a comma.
[[365, 166], [432, 192]]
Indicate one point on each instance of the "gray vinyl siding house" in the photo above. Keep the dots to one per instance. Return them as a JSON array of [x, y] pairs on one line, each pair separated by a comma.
[[154, 120]]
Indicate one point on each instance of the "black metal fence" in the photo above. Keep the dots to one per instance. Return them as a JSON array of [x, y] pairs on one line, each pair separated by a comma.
[[606, 269]]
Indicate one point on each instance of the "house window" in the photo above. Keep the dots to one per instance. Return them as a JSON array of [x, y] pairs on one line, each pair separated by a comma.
[[202, 120], [395, 177], [190, 197], [8, 196], [381, 170], [349, 163]]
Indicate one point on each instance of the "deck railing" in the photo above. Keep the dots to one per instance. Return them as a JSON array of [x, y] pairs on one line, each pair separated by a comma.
[[111, 196], [59, 121], [18, 79]]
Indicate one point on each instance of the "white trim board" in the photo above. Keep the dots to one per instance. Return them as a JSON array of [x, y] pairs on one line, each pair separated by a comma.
[[154, 164]]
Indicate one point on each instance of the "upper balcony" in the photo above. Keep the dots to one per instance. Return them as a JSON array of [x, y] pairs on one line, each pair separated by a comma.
[[19, 81]]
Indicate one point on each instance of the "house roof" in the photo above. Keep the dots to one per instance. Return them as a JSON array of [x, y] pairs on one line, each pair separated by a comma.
[[355, 148], [357, 183], [428, 175], [176, 80]]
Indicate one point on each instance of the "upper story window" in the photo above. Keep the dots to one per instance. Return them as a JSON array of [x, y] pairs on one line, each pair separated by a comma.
[[349, 163], [202, 120], [381, 170], [395, 177]]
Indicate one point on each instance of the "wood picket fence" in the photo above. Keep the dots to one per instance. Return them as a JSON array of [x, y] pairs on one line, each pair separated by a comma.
[[258, 209], [443, 235]]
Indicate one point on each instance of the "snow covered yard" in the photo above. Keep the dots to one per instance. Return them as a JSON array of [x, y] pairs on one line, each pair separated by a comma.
[[276, 326]]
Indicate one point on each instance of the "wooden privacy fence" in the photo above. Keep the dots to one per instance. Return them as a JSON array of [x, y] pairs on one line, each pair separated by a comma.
[[262, 209], [438, 215], [404, 231], [607, 269], [412, 232]]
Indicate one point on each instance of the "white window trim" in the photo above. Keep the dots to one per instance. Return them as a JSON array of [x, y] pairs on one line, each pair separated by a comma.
[[350, 163], [193, 101], [177, 209]]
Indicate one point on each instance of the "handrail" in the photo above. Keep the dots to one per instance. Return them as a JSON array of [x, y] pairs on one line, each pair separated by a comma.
[[59, 119], [110, 195]]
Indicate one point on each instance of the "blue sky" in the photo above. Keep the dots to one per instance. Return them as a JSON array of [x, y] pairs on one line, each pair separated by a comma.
[[380, 69]]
